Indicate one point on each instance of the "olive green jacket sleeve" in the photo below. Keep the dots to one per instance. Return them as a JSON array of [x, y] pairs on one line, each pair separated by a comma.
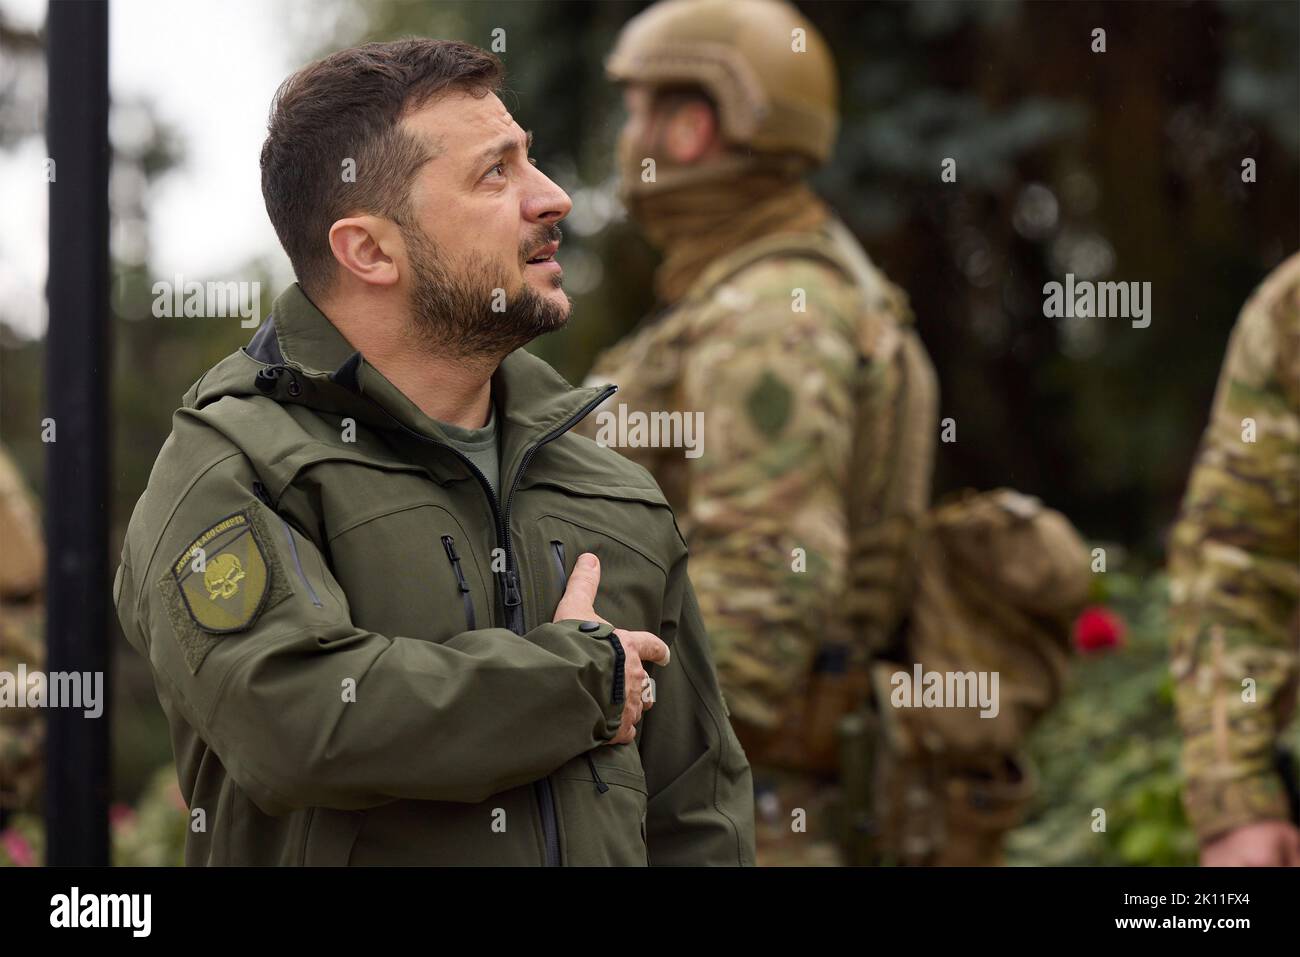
[[303, 708], [701, 794]]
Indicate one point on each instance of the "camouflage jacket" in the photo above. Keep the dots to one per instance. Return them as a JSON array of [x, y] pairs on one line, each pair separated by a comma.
[[1235, 570], [786, 350], [22, 577]]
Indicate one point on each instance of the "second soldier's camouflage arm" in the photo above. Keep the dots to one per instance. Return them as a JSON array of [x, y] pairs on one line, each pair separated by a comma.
[[1235, 571]]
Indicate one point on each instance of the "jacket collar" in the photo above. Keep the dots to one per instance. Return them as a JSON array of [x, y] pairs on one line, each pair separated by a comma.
[[533, 401]]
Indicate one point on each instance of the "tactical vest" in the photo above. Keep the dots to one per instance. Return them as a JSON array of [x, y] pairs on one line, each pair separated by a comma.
[[984, 582], [883, 522]]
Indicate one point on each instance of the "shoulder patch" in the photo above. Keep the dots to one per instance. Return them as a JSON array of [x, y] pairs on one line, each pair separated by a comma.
[[768, 404], [222, 582]]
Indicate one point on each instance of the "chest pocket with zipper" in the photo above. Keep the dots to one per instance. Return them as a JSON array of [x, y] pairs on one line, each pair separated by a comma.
[[631, 584], [423, 554]]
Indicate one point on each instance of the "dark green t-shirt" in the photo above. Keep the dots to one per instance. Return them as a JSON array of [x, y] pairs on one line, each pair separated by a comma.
[[479, 446]]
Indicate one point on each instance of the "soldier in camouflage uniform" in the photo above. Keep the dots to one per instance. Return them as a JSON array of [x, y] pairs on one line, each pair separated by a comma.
[[1235, 580], [22, 575], [784, 338]]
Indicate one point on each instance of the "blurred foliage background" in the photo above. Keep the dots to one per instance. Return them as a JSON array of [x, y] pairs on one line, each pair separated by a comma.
[[1124, 165]]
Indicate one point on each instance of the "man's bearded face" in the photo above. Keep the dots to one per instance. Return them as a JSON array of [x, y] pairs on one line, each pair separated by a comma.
[[467, 310]]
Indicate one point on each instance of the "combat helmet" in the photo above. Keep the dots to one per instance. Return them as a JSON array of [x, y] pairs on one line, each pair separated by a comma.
[[775, 87]]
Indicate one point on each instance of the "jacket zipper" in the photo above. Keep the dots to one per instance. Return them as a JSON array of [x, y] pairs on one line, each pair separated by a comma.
[[546, 798], [557, 550], [514, 606], [511, 597], [601, 786], [449, 544]]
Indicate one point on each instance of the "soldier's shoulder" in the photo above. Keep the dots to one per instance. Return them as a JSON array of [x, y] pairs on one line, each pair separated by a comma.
[[1279, 293], [782, 276], [772, 299], [193, 445], [1275, 303], [1266, 344], [831, 260]]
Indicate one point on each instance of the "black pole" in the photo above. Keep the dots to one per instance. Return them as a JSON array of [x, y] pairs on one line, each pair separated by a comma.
[[77, 400]]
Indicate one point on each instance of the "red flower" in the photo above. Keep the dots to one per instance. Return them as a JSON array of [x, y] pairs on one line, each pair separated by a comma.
[[120, 815], [1097, 629], [16, 846]]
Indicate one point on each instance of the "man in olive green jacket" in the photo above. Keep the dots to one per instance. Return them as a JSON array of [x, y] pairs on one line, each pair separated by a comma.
[[374, 573]]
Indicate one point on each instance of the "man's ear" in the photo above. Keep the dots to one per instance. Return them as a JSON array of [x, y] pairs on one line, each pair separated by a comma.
[[692, 133], [366, 246]]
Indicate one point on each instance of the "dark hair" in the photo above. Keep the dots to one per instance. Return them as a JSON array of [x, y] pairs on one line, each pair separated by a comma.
[[348, 106]]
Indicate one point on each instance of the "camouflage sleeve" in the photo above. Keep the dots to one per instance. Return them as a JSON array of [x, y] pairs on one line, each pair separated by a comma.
[[22, 729], [1235, 571], [22, 573], [773, 373]]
